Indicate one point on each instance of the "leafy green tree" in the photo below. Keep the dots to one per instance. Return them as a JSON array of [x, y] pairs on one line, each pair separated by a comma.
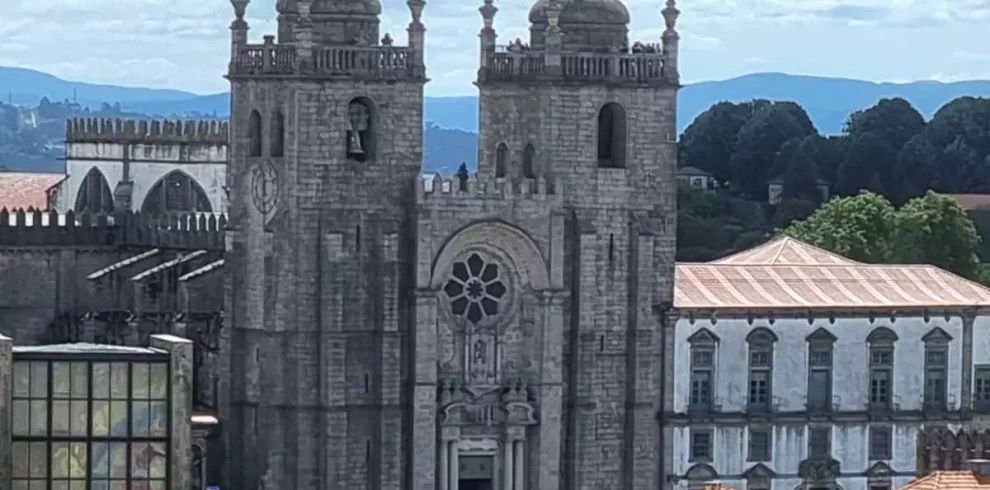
[[759, 141], [895, 121], [931, 229], [709, 141], [865, 165], [859, 227]]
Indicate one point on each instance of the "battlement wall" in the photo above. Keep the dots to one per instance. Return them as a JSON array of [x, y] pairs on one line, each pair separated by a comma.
[[460, 188], [131, 131], [33, 228]]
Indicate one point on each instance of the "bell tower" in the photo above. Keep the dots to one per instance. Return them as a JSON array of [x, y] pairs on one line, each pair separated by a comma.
[[580, 105], [325, 141]]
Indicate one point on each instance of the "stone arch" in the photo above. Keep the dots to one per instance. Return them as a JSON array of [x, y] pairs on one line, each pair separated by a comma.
[[529, 155], [278, 135], [94, 194], [505, 240], [176, 192], [501, 159], [761, 335], [612, 136], [362, 129], [254, 134], [881, 335]]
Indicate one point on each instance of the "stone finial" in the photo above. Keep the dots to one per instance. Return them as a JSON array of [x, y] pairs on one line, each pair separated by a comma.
[[488, 11], [670, 14], [240, 7], [553, 9], [416, 10]]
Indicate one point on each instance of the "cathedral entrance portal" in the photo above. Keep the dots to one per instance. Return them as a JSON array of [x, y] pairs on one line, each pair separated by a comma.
[[476, 473]]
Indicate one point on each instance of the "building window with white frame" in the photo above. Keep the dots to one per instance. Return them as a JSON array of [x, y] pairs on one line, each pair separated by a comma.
[[761, 342], [881, 351], [936, 369], [703, 344], [820, 347]]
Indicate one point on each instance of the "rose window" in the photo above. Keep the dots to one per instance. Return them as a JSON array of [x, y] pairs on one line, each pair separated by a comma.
[[474, 288]]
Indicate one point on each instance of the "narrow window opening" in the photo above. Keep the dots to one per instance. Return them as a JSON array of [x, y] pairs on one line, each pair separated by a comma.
[[501, 154], [357, 238], [278, 135], [254, 134], [612, 136], [611, 247], [367, 382], [367, 451], [601, 343], [361, 122], [528, 155]]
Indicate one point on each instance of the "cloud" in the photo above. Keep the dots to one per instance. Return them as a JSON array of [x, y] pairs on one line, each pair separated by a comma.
[[185, 43]]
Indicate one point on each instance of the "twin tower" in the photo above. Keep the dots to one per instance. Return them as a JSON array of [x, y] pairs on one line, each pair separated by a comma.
[[502, 331]]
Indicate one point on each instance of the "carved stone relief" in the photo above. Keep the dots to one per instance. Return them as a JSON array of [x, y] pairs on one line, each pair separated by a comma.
[[503, 405]]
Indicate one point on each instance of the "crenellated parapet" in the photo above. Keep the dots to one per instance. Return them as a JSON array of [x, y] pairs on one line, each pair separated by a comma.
[[105, 130], [461, 188], [31, 228], [362, 62]]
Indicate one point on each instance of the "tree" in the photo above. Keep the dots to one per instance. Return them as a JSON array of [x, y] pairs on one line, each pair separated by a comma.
[[934, 230], [931, 229], [760, 140], [858, 227], [864, 165], [709, 141], [893, 120]]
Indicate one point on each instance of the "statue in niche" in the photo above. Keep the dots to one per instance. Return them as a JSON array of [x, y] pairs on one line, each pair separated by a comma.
[[359, 119], [481, 360]]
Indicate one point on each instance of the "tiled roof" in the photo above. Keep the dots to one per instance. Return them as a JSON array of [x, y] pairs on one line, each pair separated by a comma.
[[950, 480], [784, 251], [787, 273], [25, 190], [972, 202], [692, 172]]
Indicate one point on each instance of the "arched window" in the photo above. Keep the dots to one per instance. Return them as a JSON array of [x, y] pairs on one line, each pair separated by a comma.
[[278, 135], [177, 192], [612, 136], [501, 154], [528, 155], [361, 119], [94, 194], [254, 134], [761, 341]]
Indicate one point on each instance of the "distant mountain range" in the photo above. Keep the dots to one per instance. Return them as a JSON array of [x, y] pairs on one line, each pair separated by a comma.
[[450, 120]]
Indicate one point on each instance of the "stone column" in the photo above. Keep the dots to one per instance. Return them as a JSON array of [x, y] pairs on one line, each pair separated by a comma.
[[520, 465], [454, 465], [180, 373], [507, 474], [444, 465], [6, 370]]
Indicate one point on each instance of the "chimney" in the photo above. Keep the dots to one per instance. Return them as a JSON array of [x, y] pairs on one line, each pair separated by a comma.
[[979, 467]]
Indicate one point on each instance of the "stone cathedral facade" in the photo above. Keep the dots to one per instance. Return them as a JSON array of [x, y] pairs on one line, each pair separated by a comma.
[[503, 330]]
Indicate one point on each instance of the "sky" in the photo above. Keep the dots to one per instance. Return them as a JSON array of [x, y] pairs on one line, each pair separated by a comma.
[[185, 44]]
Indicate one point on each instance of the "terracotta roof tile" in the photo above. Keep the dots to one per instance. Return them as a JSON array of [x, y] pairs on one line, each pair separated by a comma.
[[972, 202], [24, 190], [784, 250], [787, 273], [950, 480]]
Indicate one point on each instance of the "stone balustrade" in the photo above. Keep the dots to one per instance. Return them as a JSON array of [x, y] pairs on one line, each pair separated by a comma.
[[617, 67], [351, 61]]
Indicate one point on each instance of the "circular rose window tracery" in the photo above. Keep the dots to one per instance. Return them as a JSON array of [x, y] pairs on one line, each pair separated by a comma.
[[475, 289]]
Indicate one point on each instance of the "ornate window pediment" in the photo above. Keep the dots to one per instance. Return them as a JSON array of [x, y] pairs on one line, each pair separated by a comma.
[[759, 471], [701, 472], [703, 337], [936, 336]]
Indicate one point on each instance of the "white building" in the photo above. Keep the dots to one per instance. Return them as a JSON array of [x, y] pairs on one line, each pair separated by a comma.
[[795, 368], [147, 166]]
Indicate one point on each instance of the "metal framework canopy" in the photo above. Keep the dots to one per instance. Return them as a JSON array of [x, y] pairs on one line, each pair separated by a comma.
[[90, 416]]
